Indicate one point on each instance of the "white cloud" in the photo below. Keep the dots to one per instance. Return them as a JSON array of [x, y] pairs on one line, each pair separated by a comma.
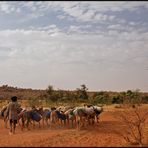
[[50, 40], [61, 17], [18, 10], [79, 11], [5, 7], [94, 11], [34, 53], [87, 51], [84, 12], [29, 4]]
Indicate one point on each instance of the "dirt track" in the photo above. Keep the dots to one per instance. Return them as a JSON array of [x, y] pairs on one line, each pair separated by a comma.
[[103, 134]]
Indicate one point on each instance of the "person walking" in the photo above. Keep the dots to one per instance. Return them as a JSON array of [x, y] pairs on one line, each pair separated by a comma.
[[12, 111]]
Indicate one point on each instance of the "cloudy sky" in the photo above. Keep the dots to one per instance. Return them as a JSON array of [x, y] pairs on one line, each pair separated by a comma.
[[103, 45]]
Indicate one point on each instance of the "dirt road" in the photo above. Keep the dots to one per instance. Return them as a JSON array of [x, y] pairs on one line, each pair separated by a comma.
[[102, 134]]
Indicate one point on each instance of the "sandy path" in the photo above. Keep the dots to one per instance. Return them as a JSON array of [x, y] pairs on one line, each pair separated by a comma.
[[103, 134]]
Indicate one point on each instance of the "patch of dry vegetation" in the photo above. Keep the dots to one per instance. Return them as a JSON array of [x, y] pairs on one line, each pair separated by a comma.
[[136, 124]]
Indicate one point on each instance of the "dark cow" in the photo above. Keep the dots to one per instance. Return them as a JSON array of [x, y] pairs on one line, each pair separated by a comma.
[[29, 116]]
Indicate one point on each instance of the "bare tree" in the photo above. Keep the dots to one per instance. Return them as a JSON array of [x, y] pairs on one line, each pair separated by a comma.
[[135, 123]]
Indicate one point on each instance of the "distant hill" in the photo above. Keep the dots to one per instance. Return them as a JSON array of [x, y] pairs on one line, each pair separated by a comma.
[[6, 92]]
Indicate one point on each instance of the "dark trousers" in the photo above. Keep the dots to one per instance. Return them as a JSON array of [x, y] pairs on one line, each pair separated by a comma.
[[12, 125]]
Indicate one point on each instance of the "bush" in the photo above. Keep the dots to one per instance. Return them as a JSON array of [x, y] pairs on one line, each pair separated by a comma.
[[34, 102], [117, 100], [145, 99], [135, 122]]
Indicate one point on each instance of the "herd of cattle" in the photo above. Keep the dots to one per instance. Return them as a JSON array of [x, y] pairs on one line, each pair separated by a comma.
[[76, 117]]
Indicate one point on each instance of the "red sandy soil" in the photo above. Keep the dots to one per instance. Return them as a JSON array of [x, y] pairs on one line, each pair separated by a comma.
[[103, 134]]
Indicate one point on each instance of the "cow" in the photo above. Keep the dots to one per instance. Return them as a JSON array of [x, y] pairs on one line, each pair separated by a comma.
[[57, 117], [46, 116], [70, 117], [29, 116], [4, 114], [86, 114]]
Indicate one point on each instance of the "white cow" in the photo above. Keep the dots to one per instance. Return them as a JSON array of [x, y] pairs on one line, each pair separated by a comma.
[[86, 113]]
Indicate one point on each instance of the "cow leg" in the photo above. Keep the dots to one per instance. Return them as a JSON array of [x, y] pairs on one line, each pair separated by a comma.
[[61, 122], [5, 121], [89, 121], [67, 122], [39, 125], [82, 121], [33, 124], [72, 123], [23, 123], [93, 121], [47, 121], [43, 121], [97, 117], [28, 121], [51, 122], [78, 119]]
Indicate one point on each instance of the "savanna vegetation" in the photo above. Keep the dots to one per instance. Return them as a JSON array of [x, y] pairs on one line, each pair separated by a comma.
[[82, 94]]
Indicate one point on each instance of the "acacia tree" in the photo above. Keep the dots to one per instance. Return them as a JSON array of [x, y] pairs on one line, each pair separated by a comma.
[[51, 94], [129, 96], [82, 92], [133, 97], [50, 90]]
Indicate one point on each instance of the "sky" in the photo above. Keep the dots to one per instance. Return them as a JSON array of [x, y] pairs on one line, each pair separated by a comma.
[[103, 45]]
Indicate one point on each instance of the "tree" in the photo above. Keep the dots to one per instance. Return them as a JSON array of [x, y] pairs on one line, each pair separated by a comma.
[[117, 99], [82, 92], [135, 122], [137, 98], [51, 94], [101, 98], [129, 95], [145, 99], [133, 97], [50, 90]]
